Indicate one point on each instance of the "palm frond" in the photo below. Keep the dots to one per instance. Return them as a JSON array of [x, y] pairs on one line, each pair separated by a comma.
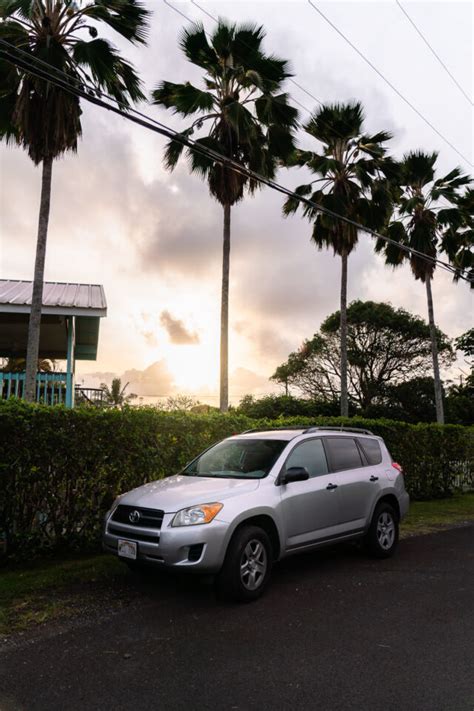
[[108, 70], [222, 39], [129, 18], [185, 99], [336, 122], [195, 46], [291, 204]]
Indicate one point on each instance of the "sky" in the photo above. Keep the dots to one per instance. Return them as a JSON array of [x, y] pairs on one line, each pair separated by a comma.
[[154, 239]]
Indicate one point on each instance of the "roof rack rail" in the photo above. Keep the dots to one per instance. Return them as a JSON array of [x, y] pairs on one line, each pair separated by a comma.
[[274, 429], [359, 430]]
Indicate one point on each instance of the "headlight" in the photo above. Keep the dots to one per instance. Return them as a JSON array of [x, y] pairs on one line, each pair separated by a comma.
[[194, 515]]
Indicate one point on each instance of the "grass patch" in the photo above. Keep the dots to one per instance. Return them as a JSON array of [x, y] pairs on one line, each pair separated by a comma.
[[430, 516], [63, 587], [51, 589]]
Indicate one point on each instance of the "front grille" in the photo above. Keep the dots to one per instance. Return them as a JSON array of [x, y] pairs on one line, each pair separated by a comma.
[[132, 535], [138, 516]]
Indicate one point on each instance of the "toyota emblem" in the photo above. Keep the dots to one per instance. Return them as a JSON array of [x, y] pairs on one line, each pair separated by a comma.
[[134, 516]]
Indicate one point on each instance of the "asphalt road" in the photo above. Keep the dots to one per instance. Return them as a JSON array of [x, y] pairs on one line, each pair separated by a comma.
[[335, 631]]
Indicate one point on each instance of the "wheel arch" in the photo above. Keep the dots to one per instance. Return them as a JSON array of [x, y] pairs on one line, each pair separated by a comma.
[[388, 498], [263, 520]]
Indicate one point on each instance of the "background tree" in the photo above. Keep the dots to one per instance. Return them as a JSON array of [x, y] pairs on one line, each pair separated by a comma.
[[46, 120], [426, 225], [385, 347], [115, 394], [352, 168], [17, 365], [249, 120], [460, 396]]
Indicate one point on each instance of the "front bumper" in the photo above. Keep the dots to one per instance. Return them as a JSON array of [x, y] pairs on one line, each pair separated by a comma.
[[198, 548]]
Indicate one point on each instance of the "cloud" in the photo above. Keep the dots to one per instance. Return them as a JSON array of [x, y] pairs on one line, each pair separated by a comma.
[[156, 380], [177, 331]]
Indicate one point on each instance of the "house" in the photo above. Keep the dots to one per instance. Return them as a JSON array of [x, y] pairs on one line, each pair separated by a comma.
[[70, 320]]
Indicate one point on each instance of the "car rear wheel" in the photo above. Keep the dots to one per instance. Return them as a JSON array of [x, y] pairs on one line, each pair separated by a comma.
[[247, 565], [382, 536]]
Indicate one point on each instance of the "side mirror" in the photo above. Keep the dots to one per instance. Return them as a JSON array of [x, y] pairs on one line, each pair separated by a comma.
[[294, 474]]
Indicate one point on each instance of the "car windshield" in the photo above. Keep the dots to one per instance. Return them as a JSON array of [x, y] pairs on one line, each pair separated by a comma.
[[237, 459]]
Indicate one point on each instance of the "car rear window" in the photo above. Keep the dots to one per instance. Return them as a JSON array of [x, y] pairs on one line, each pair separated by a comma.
[[371, 449], [343, 453]]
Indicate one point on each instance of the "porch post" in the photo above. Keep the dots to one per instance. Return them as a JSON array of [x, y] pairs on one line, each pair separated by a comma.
[[71, 342]]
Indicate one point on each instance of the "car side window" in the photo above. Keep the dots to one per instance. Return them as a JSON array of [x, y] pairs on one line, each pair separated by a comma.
[[371, 449], [310, 455], [343, 453]]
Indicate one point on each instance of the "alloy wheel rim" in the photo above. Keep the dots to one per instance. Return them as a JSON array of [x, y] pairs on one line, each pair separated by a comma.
[[386, 530], [253, 564]]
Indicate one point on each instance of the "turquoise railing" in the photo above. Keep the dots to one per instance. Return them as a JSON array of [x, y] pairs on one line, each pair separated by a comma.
[[51, 388]]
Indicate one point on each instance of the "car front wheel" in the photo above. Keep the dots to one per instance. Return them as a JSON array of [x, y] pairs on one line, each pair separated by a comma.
[[247, 565], [382, 536]]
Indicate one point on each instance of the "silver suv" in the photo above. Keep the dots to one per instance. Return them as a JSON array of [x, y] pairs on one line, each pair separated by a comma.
[[257, 497]]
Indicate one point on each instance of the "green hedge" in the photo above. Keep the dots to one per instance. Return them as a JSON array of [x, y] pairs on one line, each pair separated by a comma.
[[61, 469]]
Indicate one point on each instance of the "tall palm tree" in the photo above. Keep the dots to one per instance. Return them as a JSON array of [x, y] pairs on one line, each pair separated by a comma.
[[426, 224], [353, 170], [249, 119], [46, 120]]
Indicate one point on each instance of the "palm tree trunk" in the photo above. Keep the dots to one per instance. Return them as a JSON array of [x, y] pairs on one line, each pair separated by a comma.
[[37, 296], [434, 351], [343, 330], [224, 374]]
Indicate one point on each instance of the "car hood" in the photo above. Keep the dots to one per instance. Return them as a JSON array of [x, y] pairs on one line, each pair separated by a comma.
[[178, 492]]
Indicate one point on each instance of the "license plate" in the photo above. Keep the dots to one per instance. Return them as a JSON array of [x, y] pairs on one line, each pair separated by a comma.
[[127, 549]]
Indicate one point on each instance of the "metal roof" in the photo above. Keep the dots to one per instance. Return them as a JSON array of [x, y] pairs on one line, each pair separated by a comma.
[[59, 298]]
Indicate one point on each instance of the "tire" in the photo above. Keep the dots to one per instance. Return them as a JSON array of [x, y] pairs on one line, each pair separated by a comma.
[[247, 565], [382, 537]]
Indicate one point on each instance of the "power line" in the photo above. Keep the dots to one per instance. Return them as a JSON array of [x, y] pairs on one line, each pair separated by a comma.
[[90, 94], [412, 22], [388, 82]]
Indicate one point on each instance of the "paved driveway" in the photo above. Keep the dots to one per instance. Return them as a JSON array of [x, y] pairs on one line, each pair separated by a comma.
[[335, 631]]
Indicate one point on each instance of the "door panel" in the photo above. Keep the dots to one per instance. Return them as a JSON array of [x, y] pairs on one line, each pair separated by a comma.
[[310, 511], [357, 491]]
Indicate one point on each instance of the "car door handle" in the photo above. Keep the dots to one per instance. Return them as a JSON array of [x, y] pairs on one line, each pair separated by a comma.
[[331, 486], [373, 478]]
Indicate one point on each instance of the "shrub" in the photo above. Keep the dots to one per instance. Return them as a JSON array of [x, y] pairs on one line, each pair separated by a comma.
[[61, 469]]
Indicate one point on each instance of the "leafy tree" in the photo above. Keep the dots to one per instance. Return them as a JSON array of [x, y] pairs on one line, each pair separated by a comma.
[[274, 406], [409, 401], [46, 120], [352, 169], [115, 395], [385, 347], [249, 119], [424, 223], [460, 398]]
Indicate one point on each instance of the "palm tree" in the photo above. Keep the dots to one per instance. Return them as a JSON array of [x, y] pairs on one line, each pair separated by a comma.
[[115, 395], [428, 225], [353, 168], [250, 121], [46, 120]]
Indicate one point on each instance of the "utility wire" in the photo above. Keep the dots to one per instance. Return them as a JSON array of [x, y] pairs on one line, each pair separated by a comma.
[[31, 65], [412, 22], [387, 81]]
